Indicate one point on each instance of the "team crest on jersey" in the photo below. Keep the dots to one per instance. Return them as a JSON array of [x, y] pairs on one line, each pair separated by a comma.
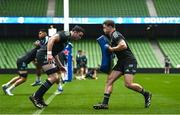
[[127, 70], [131, 65], [115, 35]]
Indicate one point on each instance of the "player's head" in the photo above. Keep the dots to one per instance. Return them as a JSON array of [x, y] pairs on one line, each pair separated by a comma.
[[79, 52], [108, 26], [42, 33], [77, 32]]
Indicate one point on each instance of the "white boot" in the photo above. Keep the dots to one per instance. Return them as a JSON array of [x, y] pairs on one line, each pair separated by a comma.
[[8, 92]]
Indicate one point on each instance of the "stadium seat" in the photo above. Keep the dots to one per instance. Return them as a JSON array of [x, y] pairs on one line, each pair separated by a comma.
[[104, 8], [23, 7], [167, 7], [140, 47], [143, 53], [170, 47]]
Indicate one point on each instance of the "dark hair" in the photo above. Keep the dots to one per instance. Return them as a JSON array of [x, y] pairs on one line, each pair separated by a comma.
[[42, 30], [109, 23], [78, 29], [79, 50]]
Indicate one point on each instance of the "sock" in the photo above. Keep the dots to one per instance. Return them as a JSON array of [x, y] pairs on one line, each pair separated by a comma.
[[143, 92], [11, 87], [43, 89], [38, 78], [60, 87], [106, 98], [7, 84]]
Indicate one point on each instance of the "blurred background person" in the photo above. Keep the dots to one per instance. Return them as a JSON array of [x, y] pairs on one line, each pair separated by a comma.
[[52, 31], [167, 65], [81, 64]]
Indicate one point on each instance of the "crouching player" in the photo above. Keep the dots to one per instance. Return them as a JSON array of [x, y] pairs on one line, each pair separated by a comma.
[[45, 58], [22, 64]]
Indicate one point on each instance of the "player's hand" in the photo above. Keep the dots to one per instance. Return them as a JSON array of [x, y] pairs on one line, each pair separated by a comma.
[[109, 48], [62, 69], [50, 58]]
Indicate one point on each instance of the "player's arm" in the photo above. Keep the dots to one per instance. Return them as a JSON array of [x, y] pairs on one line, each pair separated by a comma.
[[37, 44], [50, 44], [121, 46]]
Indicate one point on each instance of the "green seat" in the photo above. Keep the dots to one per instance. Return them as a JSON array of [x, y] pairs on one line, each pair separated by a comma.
[[171, 48], [103, 8], [167, 7], [23, 7]]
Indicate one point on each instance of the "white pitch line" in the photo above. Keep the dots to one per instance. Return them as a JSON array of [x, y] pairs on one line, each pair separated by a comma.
[[38, 112], [48, 101]]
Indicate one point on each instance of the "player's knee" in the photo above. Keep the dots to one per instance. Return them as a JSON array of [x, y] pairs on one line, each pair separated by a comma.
[[128, 85], [53, 78], [82, 69], [23, 79]]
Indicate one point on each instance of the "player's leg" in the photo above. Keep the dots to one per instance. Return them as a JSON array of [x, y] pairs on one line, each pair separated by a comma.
[[60, 84], [165, 70], [114, 75], [168, 70], [22, 78], [38, 74], [95, 75], [8, 84], [77, 71], [21, 66], [82, 71], [128, 80], [130, 67], [37, 97]]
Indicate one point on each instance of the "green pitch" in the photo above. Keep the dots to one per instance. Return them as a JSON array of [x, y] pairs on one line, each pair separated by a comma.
[[79, 96]]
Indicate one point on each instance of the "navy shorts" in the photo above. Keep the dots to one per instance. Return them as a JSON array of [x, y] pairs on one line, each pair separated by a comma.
[[41, 57], [21, 65], [126, 66]]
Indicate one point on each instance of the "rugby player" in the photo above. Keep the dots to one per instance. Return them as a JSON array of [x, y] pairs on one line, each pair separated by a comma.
[[46, 59], [22, 64], [126, 65]]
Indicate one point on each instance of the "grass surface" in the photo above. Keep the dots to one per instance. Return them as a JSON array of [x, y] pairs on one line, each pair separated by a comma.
[[79, 96]]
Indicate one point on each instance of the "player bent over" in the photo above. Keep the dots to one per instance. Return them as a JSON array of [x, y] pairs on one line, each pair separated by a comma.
[[22, 64], [45, 58]]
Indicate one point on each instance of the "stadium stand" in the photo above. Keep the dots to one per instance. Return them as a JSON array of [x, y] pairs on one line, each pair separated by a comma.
[[109, 8], [113, 8], [11, 49], [167, 7], [170, 47], [140, 47], [143, 53], [59, 8], [23, 7]]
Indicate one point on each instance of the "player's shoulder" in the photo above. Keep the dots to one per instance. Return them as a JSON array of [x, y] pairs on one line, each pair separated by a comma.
[[116, 34]]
